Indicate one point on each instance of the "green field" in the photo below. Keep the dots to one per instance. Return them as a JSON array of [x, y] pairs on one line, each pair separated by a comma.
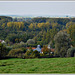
[[42, 65]]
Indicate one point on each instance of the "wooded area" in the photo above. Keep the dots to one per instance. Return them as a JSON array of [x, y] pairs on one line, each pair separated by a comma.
[[38, 31]]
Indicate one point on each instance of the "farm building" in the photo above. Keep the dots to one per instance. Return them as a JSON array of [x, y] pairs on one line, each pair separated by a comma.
[[38, 48]]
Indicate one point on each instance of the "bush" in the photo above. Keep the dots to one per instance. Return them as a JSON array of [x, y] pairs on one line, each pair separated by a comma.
[[35, 54], [28, 53], [3, 51], [19, 45], [45, 50], [19, 53], [31, 45], [30, 41], [71, 52]]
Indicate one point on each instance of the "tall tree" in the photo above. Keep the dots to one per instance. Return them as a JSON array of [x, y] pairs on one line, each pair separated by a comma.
[[71, 31], [62, 44], [2, 51]]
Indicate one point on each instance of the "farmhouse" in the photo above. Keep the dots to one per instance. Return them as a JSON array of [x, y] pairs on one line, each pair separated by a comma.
[[38, 48]]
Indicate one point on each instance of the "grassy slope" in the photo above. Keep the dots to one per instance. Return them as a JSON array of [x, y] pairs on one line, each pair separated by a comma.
[[44, 65]]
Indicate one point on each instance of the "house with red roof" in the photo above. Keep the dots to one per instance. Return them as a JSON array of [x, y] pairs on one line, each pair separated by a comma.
[[40, 50]]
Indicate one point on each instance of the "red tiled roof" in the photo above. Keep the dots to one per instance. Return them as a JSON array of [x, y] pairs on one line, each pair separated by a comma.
[[32, 48], [52, 50]]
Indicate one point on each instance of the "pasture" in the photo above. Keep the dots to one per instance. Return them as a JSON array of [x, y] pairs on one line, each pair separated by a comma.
[[41, 65]]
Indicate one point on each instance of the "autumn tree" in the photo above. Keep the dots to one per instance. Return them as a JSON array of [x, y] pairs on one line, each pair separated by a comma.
[[45, 50], [69, 23], [15, 25]]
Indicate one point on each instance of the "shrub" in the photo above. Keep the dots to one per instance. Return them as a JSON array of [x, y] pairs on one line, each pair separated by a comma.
[[31, 45], [71, 52], [3, 51], [19, 53], [30, 41], [28, 53], [35, 54], [19, 45], [45, 50]]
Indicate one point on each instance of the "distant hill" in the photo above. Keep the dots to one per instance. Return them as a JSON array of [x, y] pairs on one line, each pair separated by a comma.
[[32, 16], [26, 16], [5, 17]]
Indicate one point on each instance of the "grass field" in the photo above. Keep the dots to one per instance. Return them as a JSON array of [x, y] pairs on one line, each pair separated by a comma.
[[42, 65]]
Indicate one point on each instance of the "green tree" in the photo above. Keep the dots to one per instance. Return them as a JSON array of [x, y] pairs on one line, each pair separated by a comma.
[[3, 51], [35, 54], [30, 41], [71, 52], [28, 53], [18, 53], [71, 31], [62, 44]]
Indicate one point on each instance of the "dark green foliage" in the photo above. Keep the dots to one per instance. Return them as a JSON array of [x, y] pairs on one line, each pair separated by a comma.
[[19, 53], [31, 45], [3, 29], [42, 29], [39, 20], [18, 34], [19, 45], [30, 41], [5, 17], [3, 51], [62, 44], [28, 53], [71, 52], [35, 54], [17, 37], [71, 31]]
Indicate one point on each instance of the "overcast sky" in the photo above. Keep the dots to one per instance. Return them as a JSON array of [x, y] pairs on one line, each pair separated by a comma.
[[37, 8]]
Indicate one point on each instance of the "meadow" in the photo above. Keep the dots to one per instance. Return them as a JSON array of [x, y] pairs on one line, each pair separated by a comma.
[[38, 65]]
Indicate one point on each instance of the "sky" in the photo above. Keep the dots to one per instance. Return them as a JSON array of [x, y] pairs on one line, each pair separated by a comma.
[[37, 8]]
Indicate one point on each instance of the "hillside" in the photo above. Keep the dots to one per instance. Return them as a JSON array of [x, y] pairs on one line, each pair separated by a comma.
[[5, 17], [38, 28], [59, 33]]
